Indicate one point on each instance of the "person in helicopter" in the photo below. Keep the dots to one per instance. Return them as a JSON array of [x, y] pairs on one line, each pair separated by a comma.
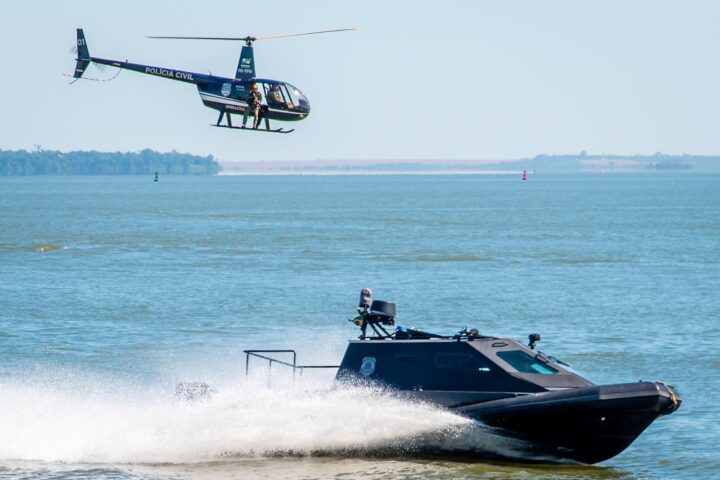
[[275, 98], [254, 100]]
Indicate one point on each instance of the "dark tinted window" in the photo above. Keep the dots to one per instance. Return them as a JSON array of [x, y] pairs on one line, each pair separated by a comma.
[[460, 361], [524, 363]]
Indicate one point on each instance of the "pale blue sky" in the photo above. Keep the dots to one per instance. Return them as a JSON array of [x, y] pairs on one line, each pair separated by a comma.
[[439, 80]]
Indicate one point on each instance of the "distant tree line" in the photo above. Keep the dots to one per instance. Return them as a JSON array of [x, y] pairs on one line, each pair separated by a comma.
[[145, 162], [657, 161]]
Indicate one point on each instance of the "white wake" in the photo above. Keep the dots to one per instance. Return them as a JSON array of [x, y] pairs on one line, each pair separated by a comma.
[[135, 424]]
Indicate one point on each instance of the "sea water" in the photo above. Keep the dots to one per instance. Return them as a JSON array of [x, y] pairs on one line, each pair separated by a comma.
[[115, 289]]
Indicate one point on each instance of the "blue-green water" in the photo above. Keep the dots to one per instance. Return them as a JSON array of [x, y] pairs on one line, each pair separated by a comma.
[[113, 289]]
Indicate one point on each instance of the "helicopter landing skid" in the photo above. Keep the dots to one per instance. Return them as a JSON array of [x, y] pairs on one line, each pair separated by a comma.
[[250, 129]]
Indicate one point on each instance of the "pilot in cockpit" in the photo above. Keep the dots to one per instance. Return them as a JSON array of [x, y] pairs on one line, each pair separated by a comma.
[[274, 97]]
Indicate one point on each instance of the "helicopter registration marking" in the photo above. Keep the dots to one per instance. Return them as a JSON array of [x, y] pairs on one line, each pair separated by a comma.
[[164, 72]]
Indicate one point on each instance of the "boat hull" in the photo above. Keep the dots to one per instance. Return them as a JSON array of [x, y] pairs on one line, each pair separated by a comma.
[[587, 425]]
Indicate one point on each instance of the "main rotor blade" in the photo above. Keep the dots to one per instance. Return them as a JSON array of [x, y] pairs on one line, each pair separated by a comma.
[[199, 38], [267, 37], [252, 39]]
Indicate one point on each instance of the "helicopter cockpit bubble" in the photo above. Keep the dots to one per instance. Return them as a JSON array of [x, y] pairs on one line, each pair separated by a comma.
[[299, 99], [284, 96]]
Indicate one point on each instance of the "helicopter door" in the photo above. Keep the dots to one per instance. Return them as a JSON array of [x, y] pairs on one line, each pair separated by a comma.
[[286, 96], [278, 98], [264, 88]]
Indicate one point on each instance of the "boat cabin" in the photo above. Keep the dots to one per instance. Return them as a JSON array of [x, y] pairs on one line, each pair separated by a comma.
[[450, 370]]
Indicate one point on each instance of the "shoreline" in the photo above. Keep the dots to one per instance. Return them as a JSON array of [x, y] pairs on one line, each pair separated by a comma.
[[357, 172]]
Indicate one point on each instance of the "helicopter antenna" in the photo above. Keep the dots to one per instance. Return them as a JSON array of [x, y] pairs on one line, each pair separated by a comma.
[[250, 39]]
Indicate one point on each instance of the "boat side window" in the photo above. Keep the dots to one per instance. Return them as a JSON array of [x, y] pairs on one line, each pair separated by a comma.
[[460, 361], [524, 363]]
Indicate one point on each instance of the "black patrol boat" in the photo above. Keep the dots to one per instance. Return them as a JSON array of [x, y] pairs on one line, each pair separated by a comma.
[[502, 383]]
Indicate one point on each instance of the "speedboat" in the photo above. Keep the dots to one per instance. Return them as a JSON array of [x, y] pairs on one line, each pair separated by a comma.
[[502, 383]]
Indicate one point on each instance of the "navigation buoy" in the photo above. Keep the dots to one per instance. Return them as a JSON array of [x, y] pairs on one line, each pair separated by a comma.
[[524, 176], [156, 176]]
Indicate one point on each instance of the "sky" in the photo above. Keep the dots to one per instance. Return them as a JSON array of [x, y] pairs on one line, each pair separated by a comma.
[[485, 80]]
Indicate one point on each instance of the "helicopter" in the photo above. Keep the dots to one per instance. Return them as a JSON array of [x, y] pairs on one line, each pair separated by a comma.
[[226, 95]]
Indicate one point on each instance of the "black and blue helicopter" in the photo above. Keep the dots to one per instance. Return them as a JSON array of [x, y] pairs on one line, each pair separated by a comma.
[[227, 95]]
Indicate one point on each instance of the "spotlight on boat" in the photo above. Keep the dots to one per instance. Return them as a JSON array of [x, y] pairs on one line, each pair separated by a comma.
[[382, 312], [375, 311], [534, 338]]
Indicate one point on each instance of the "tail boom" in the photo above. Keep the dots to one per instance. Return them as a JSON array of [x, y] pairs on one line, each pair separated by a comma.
[[84, 59], [180, 75]]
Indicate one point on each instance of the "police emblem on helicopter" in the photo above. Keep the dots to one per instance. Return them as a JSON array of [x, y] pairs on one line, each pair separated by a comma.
[[226, 88], [368, 366]]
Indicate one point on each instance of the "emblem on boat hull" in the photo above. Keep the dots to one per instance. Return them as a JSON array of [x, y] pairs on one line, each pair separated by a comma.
[[368, 366]]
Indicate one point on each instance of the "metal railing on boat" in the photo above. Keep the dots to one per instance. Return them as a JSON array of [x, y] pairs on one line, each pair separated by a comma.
[[294, 365]]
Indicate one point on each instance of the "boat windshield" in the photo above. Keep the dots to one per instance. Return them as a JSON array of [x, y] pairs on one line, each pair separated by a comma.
[[524, 363]]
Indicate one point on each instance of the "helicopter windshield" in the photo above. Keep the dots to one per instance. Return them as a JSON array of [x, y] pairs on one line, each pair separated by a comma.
[[297, 96], [284, 96]]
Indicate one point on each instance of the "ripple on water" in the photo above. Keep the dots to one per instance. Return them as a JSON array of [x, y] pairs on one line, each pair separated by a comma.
[[441, 258], [46, 247]]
